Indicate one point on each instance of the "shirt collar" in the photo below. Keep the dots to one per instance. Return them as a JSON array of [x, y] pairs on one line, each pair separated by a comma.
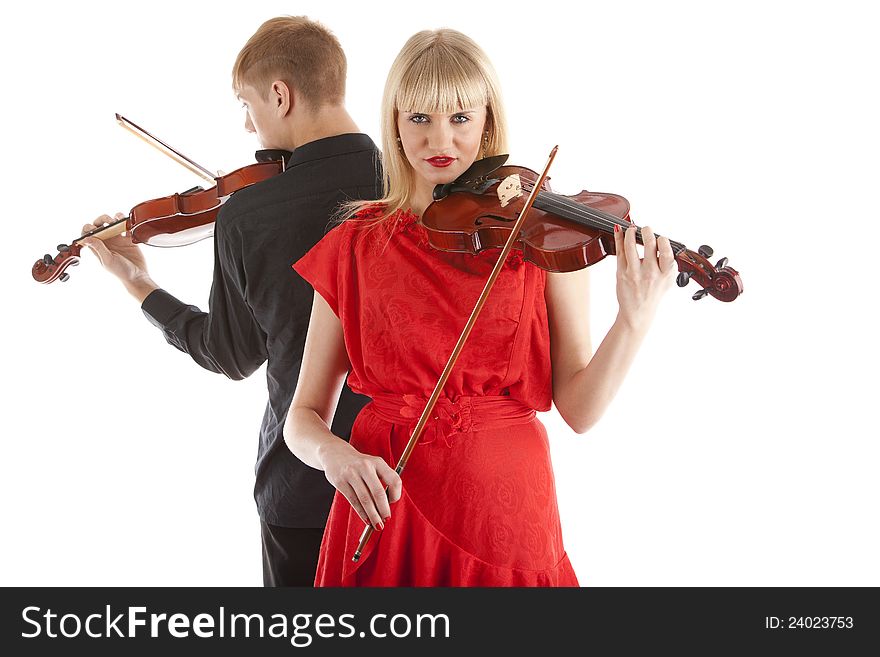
[[273, 155], [330, 147]]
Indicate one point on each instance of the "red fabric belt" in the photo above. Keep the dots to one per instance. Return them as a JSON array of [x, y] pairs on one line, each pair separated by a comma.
[[452, 416]]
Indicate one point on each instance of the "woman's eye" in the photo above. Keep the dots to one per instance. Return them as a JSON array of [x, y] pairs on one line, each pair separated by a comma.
[[418, 118], [460, 118]]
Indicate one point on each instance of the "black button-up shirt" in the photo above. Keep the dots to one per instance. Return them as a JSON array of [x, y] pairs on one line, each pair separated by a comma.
[[259, 306]]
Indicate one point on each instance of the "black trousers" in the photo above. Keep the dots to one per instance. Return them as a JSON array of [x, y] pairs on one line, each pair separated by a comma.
[[290, 556]]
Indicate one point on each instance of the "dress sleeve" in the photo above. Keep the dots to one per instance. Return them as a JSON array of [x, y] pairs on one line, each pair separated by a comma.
[[321, 267]]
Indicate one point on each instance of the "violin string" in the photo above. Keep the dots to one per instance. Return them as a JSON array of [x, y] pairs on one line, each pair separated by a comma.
[[601, 220]]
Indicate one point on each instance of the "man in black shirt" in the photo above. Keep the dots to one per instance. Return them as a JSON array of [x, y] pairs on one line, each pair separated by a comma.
[[290, 77]]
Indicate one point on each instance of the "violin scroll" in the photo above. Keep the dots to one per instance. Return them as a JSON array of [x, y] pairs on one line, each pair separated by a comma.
[[48, 269], [719, 280]]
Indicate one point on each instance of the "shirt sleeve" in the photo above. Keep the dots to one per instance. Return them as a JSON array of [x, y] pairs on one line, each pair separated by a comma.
[[321, 267], [227, 339]]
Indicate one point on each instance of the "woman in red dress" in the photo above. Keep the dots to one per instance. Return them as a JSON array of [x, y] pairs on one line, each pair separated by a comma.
[[478, 507]]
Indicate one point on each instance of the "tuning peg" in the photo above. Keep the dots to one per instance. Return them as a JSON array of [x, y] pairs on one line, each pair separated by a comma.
[[683, 278], [699, 294], [63, 248], [721, 263], [706, 251], [63, 278], [48, 259]]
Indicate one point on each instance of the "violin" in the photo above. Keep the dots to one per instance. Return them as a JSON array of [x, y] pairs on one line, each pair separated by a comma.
[[488, 207], [177, 220], [562, 233]]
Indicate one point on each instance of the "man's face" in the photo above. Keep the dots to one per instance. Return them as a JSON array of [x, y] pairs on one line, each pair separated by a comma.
[[262, 115]]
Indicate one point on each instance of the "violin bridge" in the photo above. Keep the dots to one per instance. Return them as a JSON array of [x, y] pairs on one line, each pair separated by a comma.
[[509, 189]]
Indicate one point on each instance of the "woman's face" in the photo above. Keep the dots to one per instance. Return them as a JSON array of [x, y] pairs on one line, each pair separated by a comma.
[[440, 147]]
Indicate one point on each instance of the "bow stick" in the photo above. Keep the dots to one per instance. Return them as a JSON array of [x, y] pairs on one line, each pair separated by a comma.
[[429, 408]]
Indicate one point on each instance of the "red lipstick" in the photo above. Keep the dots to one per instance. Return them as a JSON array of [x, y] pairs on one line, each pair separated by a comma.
[[440, 161]]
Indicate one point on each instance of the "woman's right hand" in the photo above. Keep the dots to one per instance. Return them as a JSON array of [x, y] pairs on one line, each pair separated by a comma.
[[362, 479]]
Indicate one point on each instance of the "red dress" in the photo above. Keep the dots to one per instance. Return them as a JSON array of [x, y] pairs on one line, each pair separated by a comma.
[[479, 499]]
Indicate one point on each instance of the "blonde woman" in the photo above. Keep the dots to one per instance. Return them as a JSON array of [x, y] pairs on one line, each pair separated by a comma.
[[478, 507]]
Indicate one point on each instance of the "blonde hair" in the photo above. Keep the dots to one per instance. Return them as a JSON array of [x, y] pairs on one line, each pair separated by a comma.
[[302, 53], [437, 71]]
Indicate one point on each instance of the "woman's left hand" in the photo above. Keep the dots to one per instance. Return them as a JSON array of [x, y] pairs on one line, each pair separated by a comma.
[[642, 282]]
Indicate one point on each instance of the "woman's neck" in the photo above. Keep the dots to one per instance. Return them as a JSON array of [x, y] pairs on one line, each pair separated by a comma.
[[422, 197]]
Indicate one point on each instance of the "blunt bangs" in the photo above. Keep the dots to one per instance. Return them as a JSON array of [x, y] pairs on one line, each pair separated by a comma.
[[441, 82]]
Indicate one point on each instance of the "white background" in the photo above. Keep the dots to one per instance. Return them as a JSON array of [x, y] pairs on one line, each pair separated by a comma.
[[742, 449]]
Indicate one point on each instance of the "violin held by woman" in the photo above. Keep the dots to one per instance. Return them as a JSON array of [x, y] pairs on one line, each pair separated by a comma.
[[561, 234]]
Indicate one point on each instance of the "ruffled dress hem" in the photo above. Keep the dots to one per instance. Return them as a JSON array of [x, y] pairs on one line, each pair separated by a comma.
[[412, 552]]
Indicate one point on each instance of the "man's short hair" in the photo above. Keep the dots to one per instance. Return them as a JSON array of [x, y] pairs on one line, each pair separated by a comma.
[[302, 53]]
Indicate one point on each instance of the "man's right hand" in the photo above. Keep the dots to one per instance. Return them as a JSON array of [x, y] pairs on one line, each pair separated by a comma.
[[122, 258]]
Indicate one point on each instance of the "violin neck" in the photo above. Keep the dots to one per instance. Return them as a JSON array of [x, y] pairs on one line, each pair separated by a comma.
[[590, 217], [106, 232]]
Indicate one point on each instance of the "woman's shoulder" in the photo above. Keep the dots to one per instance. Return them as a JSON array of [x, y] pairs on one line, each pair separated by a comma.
[[347, 226], [378, 213], [369, 212], [375, 220]]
